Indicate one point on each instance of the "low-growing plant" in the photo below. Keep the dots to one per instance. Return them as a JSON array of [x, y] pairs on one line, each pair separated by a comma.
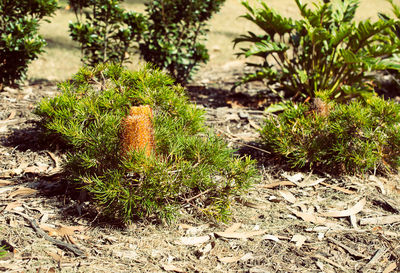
[[20, 42], [359, 137], [186, 164], [105, 31], [175, 35], [324, 50], [3, 251]]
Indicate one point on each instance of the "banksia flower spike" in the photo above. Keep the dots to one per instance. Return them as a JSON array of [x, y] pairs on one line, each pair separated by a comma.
[[137, 131]]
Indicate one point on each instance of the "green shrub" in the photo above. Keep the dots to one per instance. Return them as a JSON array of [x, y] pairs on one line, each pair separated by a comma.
[[357, 137], [190, 165], [176, 30], [325, 50], [19, 40], [3, 251], [396, 39], [104, 30]]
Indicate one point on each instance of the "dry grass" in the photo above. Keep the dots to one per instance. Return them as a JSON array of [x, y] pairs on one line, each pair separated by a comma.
[[62, 58]]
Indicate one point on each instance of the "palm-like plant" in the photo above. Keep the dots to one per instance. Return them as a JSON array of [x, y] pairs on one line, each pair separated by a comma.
[[325, 50]]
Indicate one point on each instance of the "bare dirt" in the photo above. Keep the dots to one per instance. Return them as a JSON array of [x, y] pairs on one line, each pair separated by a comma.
[[289, 221]]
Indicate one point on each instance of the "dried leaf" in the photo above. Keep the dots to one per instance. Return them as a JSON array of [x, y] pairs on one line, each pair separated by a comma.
[[69, 230], [36, 169], [20, 169], [128, 254], [298, 239], [196, 230], [344, 213], [390, 268], [55, 256], [245, 257], [57, 164], [253, 205], [353, 221], [383, 220], [309, 217], [338, 188], [240, 235], [233, 228], [270, 237], [22, 192], [6, 189], [254, 124], [31, 169], [70, 239], [63, 230], [13, 113], [5, 182], [206, 249], [278, 184], [229, 259], [173, 268], [14, 223], [185, 226], [43, 218], [378, 183], [12, 205], [51, 270], [310, 183], [293, 178], [52, 231], [194, 240], [288, 196]]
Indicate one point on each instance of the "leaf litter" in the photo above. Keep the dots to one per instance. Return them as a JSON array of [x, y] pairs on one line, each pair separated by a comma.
[[289, 222]]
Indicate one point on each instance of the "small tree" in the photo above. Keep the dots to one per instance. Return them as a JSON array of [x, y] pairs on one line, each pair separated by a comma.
[[175, 35], [19, 40], [104, 30]]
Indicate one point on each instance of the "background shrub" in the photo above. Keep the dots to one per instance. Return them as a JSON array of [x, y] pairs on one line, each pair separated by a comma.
[[189, 161], [325, 50], [104, 30], [170, 35], [175, 35], [396, 37], [3, 252], [19, 40], [357, 137]]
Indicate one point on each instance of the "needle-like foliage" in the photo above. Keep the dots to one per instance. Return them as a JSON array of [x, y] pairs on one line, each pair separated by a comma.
[[323, 135], [190, 165]]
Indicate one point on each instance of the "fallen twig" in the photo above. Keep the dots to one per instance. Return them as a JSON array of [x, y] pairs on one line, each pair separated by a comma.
[[43, 234], [57, 169], [320, 257], [241, 143], [348, 249], [378, 254], [338, 188], [198, 195], [387, 203], [383, 220]]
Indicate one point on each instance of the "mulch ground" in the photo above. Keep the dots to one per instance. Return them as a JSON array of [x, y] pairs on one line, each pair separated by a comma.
[[289, 221]]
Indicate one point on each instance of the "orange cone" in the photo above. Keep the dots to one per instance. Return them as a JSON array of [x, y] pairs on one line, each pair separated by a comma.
[[137, 130]]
